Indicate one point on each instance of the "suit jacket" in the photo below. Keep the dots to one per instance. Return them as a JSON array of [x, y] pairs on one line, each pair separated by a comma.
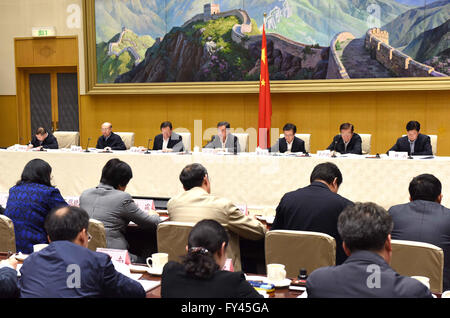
[[424, 221], [196, 205], [115, 209], [175, 142], [28, 205], [176, 283], [354, 146], [114, 141], [48, 274], [422, 146], [230, 143], [49, 143], [350, 280], [298, 145], [8, 283], [313, 208]]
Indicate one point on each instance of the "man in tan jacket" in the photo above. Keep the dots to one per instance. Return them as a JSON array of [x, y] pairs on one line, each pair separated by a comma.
[[197, 204]]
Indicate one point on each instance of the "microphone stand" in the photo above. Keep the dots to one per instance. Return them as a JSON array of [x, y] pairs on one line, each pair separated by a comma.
[[148, 147], [334, 150], [87, 146]]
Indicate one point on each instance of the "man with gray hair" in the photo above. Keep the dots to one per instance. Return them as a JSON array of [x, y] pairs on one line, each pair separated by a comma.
[[108, 139]]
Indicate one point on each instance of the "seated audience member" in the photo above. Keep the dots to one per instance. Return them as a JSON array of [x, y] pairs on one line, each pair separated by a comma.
[[289, 143], [365, 229], [200, 274], [347, 141], [43, 139], [168, 140], [8, 278], [224, 139], [108, 139], [197, 203], [115, 208], [424, 219], [67, 268], [413, 143], [315, 207], [29, 202]]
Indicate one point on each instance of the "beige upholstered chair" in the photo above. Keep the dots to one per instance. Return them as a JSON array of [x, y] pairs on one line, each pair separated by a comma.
[[7, 236], [410, 258], [243, 141], [66, 139], [186, 140], [97, 231], [172, 238], [309, 250], [433, 141], [127, 138], [305, 137], [365, 145]]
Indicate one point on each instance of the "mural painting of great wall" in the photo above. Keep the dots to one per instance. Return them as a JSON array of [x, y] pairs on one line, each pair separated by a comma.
[[144, 41]]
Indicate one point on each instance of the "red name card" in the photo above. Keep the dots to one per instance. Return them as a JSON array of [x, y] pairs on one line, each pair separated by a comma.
[[145, 205], [73, 201], [243, 208], [120, 256], [228, 265]]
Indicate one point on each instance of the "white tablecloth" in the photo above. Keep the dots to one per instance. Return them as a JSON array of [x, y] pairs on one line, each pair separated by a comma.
[[256, 181]]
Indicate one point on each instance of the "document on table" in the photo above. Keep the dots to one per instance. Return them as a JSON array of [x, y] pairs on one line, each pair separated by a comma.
[[149, 284]]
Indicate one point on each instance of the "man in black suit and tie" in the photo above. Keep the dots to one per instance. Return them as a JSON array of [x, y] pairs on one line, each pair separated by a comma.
[[424, 219], [289, 143], [365, 229], [108, 139], [413, 143], [347, 141], [168, 141], [315, 207]]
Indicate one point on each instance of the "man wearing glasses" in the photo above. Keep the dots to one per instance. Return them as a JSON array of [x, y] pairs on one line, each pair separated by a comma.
[[347, 141]]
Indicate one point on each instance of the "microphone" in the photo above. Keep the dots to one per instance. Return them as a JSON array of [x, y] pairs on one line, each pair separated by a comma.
[[148, 147], [235, 145], [334, 149], [87, 146]]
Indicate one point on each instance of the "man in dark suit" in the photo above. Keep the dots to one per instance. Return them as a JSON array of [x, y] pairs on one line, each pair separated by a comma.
[[289, 143], [316, 207], [413, 143], [43, 139], [168, 141], [424, 219], [8, 278], [365, 229], [67, 268], [110, 139], [347, 141]]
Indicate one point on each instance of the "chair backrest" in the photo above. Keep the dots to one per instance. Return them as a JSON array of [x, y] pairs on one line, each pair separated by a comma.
[[365, 145], [305, 137], [309, 250], [127, 138], [7, 236], [97, 231], [243, 141], [172, 238], [66, 139], [410, 258], [433, 141], [186, 140]]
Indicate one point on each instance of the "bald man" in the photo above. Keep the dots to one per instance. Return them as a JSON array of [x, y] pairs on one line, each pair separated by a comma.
[[110, 139]]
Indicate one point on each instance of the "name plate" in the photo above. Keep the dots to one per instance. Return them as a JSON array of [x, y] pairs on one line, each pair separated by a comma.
[[261, 152], [228, 265], [73, 201], [119, 256], [398, 155], [43, 31], [76, 149], [145, 205], [243, 208], [18, 147], [324, 153]]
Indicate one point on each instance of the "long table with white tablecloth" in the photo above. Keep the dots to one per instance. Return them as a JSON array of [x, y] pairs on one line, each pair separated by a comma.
[[246, 178]]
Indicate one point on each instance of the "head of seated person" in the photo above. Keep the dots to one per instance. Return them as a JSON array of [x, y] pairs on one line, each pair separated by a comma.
[[106, 129], [366, 227], [41, 134], [329, 174], [68, 224], [412, 130], [117, 174], [166, 129], [289, 131], [206, 249], [36, 171], [346, 131], [195, 175], [425, 187], [223, 129]]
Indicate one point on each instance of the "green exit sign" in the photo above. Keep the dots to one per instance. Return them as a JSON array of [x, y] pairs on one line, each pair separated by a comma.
[[43, 31]]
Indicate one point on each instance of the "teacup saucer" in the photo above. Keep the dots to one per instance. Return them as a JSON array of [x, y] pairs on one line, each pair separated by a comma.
[[281, 283], [155, 272], [138, 268]]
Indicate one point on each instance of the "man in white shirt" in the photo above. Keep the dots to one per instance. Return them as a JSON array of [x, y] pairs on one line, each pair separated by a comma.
[[168, 141], [289, 143], [224, 139]]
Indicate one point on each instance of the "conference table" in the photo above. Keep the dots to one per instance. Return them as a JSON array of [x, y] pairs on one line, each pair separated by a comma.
[[257, 181]]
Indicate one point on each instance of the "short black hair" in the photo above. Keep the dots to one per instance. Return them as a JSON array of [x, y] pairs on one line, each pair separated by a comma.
[[41, 131], [289, 126], [346, 126], [425, 187], [64, 224], [327, 172], [36, 171], [224, 123], [166, 124], [116, 173], [364, 226], [192, 176], [413, 125]]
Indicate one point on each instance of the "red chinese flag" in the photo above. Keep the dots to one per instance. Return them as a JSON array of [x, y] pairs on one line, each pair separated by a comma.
[[265, 103]]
